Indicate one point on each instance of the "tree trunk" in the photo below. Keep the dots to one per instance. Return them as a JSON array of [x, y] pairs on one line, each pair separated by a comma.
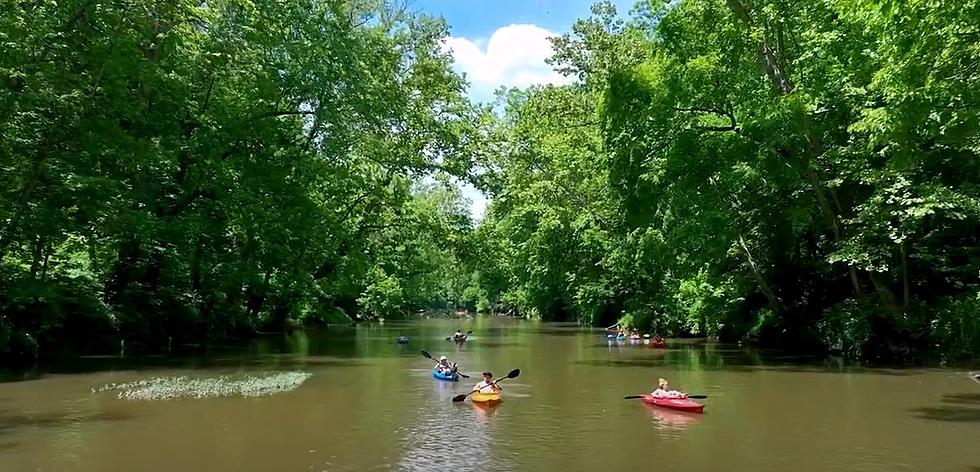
[[36, 252], [885, 293], [774, 303], [773, 66], [44, 263], [906, 290], [196, 264]]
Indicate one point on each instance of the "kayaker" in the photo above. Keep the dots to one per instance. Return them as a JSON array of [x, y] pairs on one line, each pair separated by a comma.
[[663, 391], [458, 335], [487, 385], [443, 365]]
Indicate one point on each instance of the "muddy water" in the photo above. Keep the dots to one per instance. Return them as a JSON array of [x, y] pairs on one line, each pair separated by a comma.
[[373, 405]]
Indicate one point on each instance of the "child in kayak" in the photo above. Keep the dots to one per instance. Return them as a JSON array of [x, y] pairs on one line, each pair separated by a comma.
[[663, 391], [487, 385]]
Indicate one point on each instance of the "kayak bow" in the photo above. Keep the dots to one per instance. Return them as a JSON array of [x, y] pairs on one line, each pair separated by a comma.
[[481, 397], [680, 404], [451, 376]]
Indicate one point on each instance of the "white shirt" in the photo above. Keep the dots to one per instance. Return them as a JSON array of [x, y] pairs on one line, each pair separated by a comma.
[[485, 387]]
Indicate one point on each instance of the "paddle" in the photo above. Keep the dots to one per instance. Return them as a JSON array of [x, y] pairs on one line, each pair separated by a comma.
[[426, 354], [510, 375], [696, 397], [467, 334]]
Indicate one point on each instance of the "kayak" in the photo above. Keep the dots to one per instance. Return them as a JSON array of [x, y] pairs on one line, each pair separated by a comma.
[[451, 376], [486, 398], [680, 404], [458, 340], [401, 339]]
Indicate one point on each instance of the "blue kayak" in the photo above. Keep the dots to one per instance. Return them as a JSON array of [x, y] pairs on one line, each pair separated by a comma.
[[452, 377]]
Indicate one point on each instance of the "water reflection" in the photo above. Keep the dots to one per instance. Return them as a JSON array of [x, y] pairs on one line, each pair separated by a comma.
[[672, 421], [447, 436], [485, 411]]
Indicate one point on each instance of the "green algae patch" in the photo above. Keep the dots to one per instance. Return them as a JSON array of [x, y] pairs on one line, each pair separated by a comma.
[[168, 388]]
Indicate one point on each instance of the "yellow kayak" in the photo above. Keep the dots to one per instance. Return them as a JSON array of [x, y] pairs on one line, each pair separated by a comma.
[[480, 397]]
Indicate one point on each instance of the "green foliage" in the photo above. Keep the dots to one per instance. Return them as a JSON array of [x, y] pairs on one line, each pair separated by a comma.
[[183, 171], [798, 174], [790, 173]]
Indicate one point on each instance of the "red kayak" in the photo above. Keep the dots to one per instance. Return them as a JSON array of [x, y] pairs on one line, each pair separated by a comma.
[[681, 404]]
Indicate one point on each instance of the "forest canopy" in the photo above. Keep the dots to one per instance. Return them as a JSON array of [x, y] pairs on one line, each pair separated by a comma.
[[787, 173]]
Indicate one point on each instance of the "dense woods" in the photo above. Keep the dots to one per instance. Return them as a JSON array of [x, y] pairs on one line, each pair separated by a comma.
[[178, 171], [788, 173], [791, 173]]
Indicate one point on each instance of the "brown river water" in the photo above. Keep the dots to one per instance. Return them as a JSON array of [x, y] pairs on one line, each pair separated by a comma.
[[371, 404]]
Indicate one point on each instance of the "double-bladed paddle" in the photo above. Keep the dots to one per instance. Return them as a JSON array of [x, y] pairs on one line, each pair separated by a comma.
[[696, 397], [510, 375], [429, 356]]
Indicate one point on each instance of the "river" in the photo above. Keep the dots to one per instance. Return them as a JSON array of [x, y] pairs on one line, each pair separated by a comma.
[[372, 404]]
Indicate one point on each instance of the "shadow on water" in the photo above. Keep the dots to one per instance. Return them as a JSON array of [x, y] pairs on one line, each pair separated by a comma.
[[743, 368], [726, 360], [11, 422], [949, 413], [961, 398], [496, 344], [142, 364], [966, 409]]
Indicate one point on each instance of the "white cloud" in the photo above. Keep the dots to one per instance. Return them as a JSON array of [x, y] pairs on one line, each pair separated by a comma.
[[513, 57]]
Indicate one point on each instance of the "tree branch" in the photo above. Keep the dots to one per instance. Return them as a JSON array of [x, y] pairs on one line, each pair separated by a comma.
[[271, 114], [733, 125]]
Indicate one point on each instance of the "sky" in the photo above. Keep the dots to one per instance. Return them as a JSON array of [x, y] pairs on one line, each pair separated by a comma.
[[505, 43]]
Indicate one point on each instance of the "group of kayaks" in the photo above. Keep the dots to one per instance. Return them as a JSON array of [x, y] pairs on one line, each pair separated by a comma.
[[683, 403], [476, 397], [655, 342]]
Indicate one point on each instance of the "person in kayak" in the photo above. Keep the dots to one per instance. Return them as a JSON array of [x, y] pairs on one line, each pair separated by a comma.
[[458, 335], [443, 365], [663, 391], [487, 385]]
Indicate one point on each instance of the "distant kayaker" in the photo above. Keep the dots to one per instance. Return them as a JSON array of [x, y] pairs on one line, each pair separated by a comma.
[[458, 335], [487, 385], [663, 391]]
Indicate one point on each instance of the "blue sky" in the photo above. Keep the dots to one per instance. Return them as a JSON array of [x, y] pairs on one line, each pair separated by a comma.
[[480, 18], [505, 43]]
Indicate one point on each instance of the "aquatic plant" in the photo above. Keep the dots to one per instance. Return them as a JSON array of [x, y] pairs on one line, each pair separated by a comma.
[[167, 388]]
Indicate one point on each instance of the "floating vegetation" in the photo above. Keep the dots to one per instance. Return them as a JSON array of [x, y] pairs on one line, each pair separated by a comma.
[[167, 388]]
